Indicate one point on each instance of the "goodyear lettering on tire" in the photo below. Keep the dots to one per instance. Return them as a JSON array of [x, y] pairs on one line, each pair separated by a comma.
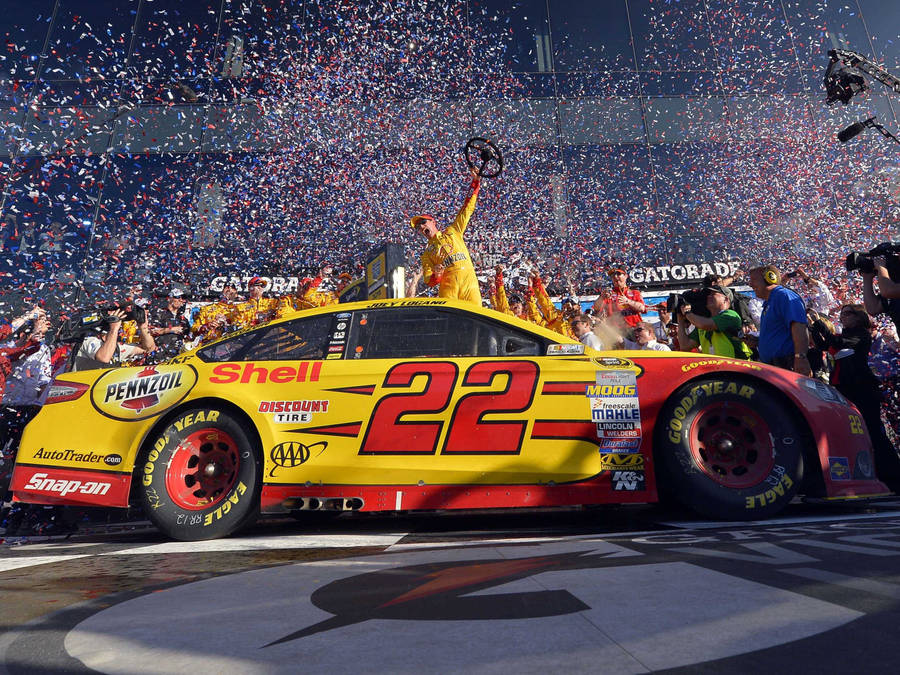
[[675, 425]]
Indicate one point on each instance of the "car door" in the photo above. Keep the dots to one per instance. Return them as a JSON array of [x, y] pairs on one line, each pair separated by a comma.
[[431, 396]]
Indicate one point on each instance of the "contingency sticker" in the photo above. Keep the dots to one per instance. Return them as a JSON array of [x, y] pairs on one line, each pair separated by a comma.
[[616, 411]]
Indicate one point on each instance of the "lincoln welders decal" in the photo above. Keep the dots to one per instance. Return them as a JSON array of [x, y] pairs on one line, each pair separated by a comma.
[[138, 393], [616, 411]]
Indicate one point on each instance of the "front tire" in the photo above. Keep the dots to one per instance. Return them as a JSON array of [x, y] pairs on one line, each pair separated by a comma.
[[200, 476], [730, 449]]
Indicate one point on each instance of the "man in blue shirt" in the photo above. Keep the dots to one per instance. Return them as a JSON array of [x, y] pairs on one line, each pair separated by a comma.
[[783, 338]]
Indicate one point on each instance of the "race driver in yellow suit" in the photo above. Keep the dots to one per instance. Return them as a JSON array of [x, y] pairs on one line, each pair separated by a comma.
[[446, 260]]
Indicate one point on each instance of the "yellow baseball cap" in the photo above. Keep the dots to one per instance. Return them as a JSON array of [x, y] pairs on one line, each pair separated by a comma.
[[415, 220]]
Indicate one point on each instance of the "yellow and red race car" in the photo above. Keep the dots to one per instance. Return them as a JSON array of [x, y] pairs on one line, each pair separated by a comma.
[[434, 404]]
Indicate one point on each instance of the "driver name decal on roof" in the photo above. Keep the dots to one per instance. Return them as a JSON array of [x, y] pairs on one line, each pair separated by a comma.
[[419, 302], [616, 411]]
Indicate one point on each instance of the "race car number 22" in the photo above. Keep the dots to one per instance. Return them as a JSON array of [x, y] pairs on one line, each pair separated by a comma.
[[468, 431]]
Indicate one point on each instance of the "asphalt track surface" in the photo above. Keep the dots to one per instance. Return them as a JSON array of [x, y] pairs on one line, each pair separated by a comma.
[[621, 590]]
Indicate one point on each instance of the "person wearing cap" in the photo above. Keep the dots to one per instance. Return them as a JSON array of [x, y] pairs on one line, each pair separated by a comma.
[[783, 333], [719, 333], [169, 326], [256, 309], [623, 301], [446, 261]]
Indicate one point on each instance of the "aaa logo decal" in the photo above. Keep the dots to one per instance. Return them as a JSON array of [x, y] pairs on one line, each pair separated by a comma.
[[292, 454], [136, 394]]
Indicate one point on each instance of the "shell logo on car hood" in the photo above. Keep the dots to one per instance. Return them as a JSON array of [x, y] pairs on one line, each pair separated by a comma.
[[131, 394]]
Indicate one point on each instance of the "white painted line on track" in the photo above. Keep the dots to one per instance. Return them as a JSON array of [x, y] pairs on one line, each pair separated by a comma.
[[50, 546], [7, 564], [265, 543], [792, 520], [549, 538], [872, 586]]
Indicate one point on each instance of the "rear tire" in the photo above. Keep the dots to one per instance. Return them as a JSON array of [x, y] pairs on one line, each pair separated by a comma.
[[730, 449], [200, 476]]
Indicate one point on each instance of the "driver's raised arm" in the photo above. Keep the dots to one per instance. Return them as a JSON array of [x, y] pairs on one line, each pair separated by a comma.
[[468, 208]]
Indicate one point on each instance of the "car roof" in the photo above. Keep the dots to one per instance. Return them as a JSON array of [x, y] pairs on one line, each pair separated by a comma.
[[410, 303]]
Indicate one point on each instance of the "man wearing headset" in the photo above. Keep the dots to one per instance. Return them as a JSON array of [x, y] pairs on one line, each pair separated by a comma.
[[446, 260], [783, 335]]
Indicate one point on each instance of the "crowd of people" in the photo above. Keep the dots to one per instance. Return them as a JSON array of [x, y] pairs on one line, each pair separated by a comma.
[[794, 321]]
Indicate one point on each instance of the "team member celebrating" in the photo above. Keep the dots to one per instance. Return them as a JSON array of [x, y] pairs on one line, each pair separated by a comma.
[[623, 301], [446, 260]]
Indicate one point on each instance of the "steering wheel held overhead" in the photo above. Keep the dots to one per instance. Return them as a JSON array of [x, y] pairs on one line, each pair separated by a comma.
[[484, 157]]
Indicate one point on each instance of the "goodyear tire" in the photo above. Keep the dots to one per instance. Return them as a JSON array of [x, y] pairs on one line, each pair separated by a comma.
[[200, 477], [729, 449]]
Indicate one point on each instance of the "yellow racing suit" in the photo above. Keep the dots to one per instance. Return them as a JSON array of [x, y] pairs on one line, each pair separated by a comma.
[[447, 248], [554, 319]]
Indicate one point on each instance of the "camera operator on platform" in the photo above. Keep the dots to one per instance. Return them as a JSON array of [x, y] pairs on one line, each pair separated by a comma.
[[106, 351], [719, 333]]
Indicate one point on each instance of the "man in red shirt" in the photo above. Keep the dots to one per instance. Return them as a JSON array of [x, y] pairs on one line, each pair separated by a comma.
[[621, 300]]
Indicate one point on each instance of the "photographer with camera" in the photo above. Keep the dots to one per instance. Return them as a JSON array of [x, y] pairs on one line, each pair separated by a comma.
[[106, 351], [716, 330], [883, 262]]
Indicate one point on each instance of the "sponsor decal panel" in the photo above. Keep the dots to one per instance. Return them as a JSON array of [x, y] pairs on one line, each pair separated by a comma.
[[616, 410], [862, 469], [337, 340], [293, 412], [131, 394], [70, 486], [627, 480], [615, 462], [251, 373], [291, 454], [78, 456], [839, 468], [565, 350]]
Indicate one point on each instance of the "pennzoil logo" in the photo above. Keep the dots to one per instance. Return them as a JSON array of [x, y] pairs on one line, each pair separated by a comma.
[[132, 394]]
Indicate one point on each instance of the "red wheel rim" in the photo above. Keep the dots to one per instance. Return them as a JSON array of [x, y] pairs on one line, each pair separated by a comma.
[[203, 469], [731, 443]]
